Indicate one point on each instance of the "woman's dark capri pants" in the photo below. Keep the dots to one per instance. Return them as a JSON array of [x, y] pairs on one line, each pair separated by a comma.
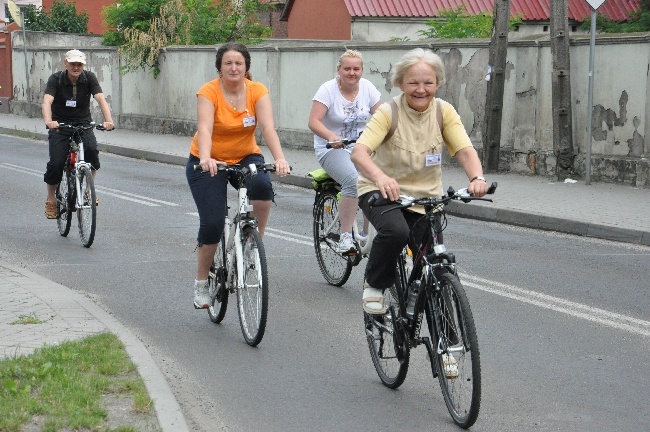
[[59, 149], [210, 195], [393, 229]]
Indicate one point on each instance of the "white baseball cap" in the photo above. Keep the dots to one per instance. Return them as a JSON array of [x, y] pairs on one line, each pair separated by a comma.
[[75, 56]]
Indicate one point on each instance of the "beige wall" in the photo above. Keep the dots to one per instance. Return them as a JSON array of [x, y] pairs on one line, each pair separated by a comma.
[[293, 70]]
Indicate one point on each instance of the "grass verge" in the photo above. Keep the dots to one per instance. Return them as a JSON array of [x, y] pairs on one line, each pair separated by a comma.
[[66, 387]]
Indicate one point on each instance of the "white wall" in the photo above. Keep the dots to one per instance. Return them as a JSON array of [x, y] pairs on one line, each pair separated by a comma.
[[293, 70]]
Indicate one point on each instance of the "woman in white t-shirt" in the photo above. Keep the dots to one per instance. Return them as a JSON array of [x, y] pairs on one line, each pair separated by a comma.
[[342, 107]]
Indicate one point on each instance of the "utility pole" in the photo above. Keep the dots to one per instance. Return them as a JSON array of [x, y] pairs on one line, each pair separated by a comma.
[[561, 90], [496, 82]]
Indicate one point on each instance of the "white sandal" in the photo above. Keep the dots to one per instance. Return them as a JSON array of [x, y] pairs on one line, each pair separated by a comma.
[[373, 301]]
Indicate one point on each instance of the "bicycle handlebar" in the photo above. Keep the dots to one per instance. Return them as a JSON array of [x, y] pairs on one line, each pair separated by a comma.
[[251, 169], [344, 143], [406, 201], [84, 127]]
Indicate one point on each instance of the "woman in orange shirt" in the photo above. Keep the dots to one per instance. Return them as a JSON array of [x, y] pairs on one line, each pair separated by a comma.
[[229, 110]]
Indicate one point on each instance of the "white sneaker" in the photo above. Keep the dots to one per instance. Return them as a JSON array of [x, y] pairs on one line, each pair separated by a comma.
[[201, 294], [362, 237], [346, 244], [450, 365]]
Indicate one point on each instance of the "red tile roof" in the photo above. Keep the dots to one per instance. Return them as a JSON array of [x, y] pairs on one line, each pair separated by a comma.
[[531, 10]]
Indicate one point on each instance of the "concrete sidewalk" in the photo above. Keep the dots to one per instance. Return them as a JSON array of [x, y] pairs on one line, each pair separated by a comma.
[[67, 316], [607, 211]]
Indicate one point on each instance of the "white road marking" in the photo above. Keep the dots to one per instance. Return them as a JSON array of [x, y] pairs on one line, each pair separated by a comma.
[[578, 310], [22, 169], [289, 236], [152, 202], [119, 193]]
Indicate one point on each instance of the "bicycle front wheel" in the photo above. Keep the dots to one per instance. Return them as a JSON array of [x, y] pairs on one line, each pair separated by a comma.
[[63, 203], [388, 343], [335, 267], [217, 284], [253, 295], [87, 211], [459, 366]]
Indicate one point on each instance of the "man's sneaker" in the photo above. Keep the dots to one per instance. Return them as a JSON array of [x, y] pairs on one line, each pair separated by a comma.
[[450, 365], [346, 244], [201, 294]]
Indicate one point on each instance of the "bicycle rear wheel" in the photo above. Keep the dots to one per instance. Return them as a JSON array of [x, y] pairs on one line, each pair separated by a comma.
[[63, 200], [87, 212], [457, 334], [388, 344], [253, 295], [335, 268], [217, 285]]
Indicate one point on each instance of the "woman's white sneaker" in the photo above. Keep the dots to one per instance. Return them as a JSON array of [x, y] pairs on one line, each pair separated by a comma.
[[201, 294]]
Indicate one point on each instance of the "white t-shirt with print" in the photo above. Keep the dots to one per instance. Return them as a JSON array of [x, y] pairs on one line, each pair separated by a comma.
[[344, 118]]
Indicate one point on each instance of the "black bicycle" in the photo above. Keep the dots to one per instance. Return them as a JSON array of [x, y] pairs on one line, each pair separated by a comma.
[[427, 287], [76, 191]]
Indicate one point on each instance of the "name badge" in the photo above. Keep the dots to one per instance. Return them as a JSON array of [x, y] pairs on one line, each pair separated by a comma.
[[249, 121], [434, 159], [71, 103]]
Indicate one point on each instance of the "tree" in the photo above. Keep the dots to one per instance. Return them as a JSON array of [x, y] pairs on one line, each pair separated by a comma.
[[63, 18], [179, 22], [458, 23], [638, 21], [133, 14], [212, 21]]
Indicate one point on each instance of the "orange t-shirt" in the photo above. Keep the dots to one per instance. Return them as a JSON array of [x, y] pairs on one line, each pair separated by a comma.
[[233, 132]]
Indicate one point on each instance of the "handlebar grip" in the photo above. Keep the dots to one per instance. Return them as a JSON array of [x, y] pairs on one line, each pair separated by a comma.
[[492, 188], [344, 143], [376, 200]]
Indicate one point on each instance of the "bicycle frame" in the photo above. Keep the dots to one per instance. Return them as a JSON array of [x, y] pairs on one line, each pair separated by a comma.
[[78, 150], [233, 237], [427, 268], [363, 249], [329, 185], [77, 153]]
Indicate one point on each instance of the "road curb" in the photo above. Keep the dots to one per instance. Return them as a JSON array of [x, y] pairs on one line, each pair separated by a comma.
[[505, 216]]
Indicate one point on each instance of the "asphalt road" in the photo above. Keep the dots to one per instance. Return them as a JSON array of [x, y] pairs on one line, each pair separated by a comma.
[[563, 321]]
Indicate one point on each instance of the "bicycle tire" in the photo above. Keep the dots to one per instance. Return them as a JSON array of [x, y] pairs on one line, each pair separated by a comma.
[[87, 212], [63, 204], [462, 394], [217, 285], [253, 295], [388, 344], [336, 268]]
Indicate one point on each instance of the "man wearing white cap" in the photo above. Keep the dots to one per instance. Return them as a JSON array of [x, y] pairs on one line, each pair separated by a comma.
[[67, 100]]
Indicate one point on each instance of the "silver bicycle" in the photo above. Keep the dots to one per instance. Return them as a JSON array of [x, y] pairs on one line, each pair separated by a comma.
[[335, 267], [76, 191], [239, 265]]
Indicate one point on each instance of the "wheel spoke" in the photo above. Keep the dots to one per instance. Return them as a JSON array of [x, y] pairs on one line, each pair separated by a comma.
[[252, 296], [461, 386], [390, 357], [335, 268]]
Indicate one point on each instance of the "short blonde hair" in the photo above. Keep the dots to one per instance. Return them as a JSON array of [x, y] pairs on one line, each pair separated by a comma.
[[351, 54], [414, 56]]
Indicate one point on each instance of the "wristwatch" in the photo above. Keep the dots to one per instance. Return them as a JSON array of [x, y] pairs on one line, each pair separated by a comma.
[[478, 178]]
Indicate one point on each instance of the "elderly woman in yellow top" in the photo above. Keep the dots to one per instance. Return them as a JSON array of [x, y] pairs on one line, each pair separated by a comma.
[[409, 162], [229, 109]]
